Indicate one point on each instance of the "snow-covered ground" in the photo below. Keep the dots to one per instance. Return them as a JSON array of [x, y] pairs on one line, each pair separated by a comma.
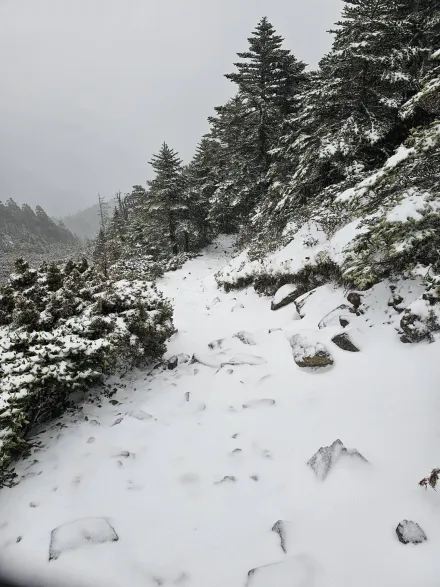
[[184, 480]]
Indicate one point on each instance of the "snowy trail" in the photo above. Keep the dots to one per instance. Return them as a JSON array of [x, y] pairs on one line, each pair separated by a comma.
[[194, 466]]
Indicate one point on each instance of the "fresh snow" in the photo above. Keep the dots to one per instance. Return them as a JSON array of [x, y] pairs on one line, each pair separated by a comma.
[[194, 466]]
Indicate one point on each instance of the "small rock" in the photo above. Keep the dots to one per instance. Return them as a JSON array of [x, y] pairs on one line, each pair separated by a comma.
[[91, 440], [226, 479], [256, 403], [245, 337], [183, 358], [216, 344], [354, 299], [237, 451], [187, 396], [254, 477], [117, 421], [327, 456], [214, 302], [124, 454], [114, 402], [172, 363], [19, 538], [343, 321], [235, 435], [33, 504], [343, 342], [410, 532], [309, 353], [284, 296], [237, 307], [280, 528]]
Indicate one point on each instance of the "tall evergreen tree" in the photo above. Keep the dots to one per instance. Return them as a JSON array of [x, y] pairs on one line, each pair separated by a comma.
[[349, 119], [248, 127], [166, 204]]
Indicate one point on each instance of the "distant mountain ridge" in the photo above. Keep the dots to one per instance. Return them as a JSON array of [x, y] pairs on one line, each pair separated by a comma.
[[85, 223]]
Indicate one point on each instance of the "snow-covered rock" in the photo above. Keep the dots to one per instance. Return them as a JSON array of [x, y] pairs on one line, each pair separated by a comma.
[[344, 342], [308, 352], [301, 301], [245, 337], [237, 307], [80, 533], [333, 318], [410, 532], [284, 530], [216, 344], [284, 296], [327, 456]]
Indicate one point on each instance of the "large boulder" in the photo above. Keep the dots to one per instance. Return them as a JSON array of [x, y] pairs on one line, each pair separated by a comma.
[[421, 318], [308, 352], [344, 342], [80, 533], [327, 456], [284, 296], [410, 532]]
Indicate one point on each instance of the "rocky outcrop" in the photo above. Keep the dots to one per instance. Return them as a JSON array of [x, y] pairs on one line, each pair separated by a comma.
[[327, 456], [309, 353], [344, 342], [410, 533], [284, 296]]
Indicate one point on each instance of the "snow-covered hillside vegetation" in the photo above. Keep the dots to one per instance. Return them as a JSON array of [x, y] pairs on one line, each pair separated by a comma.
[[270, 448], [280, 426]]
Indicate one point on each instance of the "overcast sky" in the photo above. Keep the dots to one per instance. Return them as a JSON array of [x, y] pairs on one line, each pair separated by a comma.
[[89, 89]]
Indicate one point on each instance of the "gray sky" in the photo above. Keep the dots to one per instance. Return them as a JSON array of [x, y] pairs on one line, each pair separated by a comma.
[[91, 88]]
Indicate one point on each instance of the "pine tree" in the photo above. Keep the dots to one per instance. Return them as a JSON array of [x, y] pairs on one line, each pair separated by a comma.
[[165, 202], [349, 123], [249, 126]]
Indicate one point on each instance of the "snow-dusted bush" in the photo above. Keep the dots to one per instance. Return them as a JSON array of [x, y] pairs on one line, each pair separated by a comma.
[[144, 268], [62, 330]]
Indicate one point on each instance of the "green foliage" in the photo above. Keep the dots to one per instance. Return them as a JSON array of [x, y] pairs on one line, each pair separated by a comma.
[[64, 330]]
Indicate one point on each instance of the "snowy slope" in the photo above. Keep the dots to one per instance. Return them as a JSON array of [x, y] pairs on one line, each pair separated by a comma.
[[194, 466]]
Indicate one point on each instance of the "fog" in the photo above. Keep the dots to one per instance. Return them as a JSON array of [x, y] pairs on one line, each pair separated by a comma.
[[91, 88]]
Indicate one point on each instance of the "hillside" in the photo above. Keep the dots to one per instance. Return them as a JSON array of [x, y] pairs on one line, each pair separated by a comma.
[[239, 387], [85, 224], [32, 234], [203, 472]]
